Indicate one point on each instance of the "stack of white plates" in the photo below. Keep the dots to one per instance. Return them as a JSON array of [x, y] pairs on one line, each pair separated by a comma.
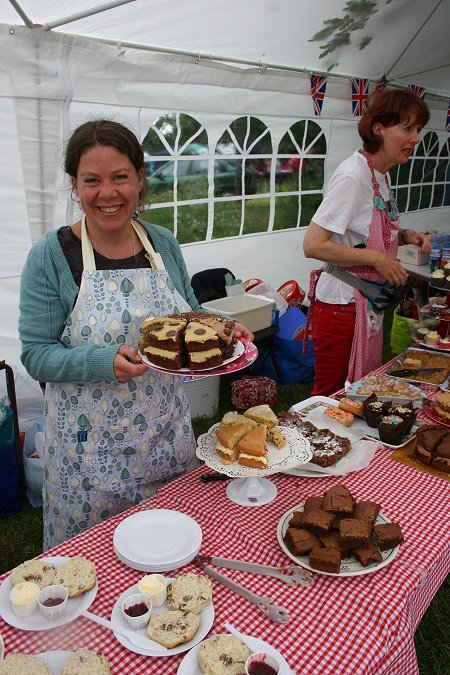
[[158, 540]]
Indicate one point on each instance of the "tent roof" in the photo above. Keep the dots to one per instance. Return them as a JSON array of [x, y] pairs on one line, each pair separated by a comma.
[[405, 39]]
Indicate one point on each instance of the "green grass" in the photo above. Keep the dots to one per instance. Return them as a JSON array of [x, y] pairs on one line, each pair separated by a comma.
[[21, 536]]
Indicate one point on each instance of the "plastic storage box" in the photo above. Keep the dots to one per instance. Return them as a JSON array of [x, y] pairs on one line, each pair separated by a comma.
[[412, 254], [254, 311]]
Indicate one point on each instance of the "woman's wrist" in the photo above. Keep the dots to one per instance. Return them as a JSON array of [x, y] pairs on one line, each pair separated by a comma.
[[403, 237]]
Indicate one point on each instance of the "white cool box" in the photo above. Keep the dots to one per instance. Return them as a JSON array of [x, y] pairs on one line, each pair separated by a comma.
[[253, 311]]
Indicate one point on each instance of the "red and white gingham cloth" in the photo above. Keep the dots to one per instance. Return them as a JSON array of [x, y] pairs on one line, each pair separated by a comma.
[[362, 624]]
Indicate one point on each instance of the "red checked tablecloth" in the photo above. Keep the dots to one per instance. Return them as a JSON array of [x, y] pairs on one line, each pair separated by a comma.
[[358, 625]]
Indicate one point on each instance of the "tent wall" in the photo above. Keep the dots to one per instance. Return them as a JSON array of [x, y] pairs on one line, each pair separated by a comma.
[[50, 83]]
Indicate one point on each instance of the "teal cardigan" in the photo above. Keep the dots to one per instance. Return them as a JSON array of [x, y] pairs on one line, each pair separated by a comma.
[[47, 296]]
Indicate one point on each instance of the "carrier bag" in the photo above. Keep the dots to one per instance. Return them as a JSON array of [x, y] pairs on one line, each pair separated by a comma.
[[11, 466], [401, 332], [34, 462], [282, 358]]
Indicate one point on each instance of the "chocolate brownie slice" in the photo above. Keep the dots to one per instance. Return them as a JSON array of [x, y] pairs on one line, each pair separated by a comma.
[[388, 535], [325, 559], [300, 542], [357, 533], [367, 511], [317, 521], [338, 500], [367, 555]]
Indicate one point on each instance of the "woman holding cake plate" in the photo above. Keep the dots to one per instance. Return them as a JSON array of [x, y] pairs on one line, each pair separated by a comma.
[[115, 430], [357, 228]]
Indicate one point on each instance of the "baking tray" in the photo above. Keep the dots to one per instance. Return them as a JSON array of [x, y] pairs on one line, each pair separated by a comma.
[[398, 363]]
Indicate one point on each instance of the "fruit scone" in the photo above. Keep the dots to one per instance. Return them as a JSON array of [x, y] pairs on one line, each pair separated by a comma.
[[41, 572], [86, 662], [223, 655], [78, 575], [189, 592], [24, 664]]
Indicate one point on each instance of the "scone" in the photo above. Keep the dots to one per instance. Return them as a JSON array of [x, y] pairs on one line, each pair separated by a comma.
[[24, 664], [77, 575], [86, 662], [189, 592], [40, 572], [173, 628], [223, 655]]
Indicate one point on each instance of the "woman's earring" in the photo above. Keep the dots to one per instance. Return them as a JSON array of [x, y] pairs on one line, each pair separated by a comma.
[[74, 198]]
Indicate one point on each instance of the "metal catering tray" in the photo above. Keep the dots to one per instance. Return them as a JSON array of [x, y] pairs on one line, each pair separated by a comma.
[[438, 357]]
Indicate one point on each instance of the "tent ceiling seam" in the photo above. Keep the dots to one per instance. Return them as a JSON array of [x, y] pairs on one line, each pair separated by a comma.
[[413, 37]]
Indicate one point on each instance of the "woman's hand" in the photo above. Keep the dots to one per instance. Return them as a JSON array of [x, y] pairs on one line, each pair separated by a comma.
[[127, 364], [418, 239], [390, 269], [243, 332]]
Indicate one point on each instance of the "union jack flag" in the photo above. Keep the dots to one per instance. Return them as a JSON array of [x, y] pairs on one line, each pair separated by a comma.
[[360, 95], [318, 88], [382, 82], [420, 91], [447, 124]]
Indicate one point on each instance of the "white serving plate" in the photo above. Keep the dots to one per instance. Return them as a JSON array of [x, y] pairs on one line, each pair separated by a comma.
[[206, 617], [295, 452], [189, 664], [352, 391], [157, 540], [359, 426], [37, 621], [350, 567]]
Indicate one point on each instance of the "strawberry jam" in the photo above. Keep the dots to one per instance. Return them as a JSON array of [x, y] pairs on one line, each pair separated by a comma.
[[137, 610]]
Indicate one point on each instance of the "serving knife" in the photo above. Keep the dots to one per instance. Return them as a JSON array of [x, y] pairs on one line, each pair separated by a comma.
[[407, 372]]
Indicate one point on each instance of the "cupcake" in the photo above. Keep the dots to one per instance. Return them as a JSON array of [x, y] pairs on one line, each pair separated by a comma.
[[392, 428], [421, 333], [373, 410], [444, 343], [437, 300], [438, 279], [432, 338], [406, 412]]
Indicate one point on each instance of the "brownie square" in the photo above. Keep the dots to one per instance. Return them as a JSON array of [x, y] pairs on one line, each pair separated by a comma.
[[300, 542], [367, 511], [317, 521], [312, 503], [296, 519], [356, 532], [338, 500], [388, 535], [334, 540], [325, 559], [367, 555]]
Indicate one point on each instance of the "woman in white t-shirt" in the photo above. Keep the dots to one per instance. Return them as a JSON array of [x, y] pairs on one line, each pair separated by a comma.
[[357, 227]]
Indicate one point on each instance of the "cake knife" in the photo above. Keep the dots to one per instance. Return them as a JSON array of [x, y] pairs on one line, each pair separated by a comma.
[[405, 372]]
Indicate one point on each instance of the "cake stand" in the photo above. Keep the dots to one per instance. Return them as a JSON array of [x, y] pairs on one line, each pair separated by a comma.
[[251, 487]]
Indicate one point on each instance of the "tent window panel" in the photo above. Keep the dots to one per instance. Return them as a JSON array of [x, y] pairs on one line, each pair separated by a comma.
[[286, 212], [403, 174], [442, 169], [227, 219], [428, 171], [192, 223], [256, 215], [315, 140], [414, 199], [162, 216], [192, 179], [228, 177], [402, 199], [417, 171], [310, 204], [287, 178], [438, 195], [161, 183], [425, 197], [313, 174], [249, 133], [258, 171]]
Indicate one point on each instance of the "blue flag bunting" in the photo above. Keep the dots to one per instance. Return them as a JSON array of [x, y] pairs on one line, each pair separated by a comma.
[[318, 88], [360, 95]]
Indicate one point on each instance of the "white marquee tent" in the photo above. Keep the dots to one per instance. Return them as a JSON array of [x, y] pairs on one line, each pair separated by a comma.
[[215, 60]]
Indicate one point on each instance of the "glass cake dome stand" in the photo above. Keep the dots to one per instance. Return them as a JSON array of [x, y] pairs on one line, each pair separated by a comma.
[[251, 487]]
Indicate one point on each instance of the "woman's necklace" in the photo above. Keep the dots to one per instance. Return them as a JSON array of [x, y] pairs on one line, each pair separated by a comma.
[[97, 247]]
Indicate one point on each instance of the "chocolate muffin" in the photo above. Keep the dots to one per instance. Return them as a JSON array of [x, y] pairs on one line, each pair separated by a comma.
[[373, 410], [392, 429], [406, 412]]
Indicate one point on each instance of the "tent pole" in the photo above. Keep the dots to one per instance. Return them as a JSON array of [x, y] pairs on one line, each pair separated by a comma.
[[21, 13], [83, 15]]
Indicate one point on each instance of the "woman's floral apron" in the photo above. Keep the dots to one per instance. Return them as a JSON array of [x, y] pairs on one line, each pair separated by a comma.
[[109, 446]]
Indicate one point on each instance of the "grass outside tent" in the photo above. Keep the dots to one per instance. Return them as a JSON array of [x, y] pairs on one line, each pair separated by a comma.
[[21, 539]]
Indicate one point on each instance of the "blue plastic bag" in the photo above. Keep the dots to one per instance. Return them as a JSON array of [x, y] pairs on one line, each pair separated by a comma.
[[282, 358]]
